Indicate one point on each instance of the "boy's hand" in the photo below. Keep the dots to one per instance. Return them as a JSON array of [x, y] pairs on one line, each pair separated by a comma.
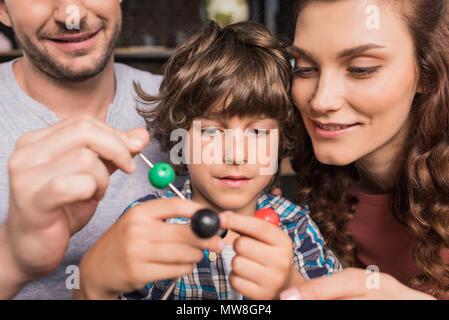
[[262, 267], [141, 248]]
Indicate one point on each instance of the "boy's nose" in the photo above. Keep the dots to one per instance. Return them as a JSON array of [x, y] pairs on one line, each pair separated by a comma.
[[235, 147], [69, 12]]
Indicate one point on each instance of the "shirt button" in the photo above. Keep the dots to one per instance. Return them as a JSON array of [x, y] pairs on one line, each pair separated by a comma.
[[212, 256]]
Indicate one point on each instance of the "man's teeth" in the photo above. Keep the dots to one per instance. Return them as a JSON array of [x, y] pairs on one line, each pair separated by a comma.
[[75, 39]]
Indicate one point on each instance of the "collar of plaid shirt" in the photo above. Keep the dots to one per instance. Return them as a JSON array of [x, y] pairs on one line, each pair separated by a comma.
[[199, 285]]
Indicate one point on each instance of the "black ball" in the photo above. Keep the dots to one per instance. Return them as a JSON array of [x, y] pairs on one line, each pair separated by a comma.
[[205, 223]]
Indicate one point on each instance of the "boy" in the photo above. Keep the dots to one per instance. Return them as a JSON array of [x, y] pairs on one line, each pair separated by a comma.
[[226, 94], [218, 80]]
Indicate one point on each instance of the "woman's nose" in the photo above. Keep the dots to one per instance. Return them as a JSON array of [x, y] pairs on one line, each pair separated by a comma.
[[328, 94]]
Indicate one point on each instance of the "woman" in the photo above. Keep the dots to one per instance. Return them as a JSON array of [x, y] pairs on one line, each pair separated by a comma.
[[371, 83]]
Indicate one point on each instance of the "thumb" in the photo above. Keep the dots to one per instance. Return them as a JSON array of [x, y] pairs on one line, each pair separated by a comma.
[[137, 139]]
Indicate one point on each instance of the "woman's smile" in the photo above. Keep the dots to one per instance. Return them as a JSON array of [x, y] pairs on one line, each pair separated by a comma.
[[332, 130]]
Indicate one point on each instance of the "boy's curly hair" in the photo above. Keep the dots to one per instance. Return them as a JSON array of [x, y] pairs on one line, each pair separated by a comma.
[[241, 68]]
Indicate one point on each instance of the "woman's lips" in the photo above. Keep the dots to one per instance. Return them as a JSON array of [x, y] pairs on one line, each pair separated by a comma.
[[234, 182], [332, 130]]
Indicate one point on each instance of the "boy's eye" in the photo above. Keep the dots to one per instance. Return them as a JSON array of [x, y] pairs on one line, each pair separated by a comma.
[[258, 132], [211, 132]]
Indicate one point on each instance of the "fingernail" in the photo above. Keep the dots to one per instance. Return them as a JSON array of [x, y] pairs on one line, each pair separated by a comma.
[[290, 294], [135, 142]]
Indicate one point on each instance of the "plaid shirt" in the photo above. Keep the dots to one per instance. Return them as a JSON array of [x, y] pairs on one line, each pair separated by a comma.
[[310, 257]]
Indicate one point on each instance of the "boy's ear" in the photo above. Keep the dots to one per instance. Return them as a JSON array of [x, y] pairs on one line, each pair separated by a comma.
[[4, 16]]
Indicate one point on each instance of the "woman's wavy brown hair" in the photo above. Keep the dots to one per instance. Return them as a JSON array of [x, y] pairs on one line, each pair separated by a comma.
[[241, 68], [420, 197]]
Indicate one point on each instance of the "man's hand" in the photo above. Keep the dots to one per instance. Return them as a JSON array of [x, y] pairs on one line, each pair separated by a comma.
[[58, 175]]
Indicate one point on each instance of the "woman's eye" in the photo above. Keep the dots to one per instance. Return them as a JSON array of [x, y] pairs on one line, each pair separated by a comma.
[[362, 71], [304, 72], [211, 132]]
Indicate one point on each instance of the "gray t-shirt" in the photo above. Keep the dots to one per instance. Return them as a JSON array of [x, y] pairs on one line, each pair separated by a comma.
[[20, 114]]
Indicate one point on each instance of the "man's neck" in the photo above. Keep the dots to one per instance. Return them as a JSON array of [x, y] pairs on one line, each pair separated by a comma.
[[68, 99]]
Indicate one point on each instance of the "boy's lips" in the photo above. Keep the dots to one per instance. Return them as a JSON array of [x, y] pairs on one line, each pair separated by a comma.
[[234, 181]]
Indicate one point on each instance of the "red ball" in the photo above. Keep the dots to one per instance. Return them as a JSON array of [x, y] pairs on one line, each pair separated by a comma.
[[269, 215]]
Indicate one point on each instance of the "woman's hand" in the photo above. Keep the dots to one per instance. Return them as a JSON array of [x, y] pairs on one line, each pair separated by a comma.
[[353, 284], [262, 267], [141, 248]]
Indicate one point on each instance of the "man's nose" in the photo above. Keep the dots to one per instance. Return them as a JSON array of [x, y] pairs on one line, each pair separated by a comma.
[[70, 13], [328, 94]]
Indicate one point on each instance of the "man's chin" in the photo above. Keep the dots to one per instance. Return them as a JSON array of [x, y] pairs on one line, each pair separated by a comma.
[[77, 69]]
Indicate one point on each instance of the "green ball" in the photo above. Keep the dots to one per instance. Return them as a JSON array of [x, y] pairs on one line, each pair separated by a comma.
[[161, 175]]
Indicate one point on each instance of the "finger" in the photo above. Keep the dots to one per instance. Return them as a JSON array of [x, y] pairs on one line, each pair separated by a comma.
[[36, 135], [248, 288], [254, 250], [152, 214], [364, 297], [136, 139], [176, 234], [347, 283], [66, 189], [151, 272], [57, 189], [249, 270], [173, 253], [162, 209], [276, 192], [252, 227], [106, 143]]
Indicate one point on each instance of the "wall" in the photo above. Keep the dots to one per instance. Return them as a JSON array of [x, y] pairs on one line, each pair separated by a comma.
[[158, 22]]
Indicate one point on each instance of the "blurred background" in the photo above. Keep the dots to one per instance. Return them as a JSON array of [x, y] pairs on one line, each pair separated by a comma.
[[152, 28]]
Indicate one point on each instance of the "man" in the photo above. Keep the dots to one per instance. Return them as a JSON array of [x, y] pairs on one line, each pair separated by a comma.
[[60, 170]]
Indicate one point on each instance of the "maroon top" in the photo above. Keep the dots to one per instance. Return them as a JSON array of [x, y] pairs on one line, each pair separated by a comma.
[[381, 240]]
